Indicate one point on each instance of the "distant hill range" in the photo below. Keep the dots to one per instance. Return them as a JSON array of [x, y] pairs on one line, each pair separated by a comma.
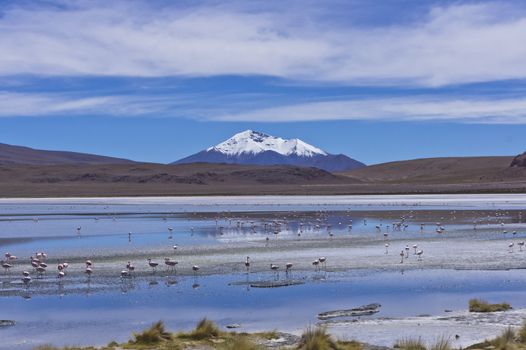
[[27, 172], [452, 170], [24, 155], [256, 148]]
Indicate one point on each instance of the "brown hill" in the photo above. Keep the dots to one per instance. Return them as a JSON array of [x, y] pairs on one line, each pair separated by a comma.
[[450, 170], [10, 154], [144, 179]]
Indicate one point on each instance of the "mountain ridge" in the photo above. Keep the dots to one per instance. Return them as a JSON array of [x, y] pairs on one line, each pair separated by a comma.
[[257, 148], [11, 154]]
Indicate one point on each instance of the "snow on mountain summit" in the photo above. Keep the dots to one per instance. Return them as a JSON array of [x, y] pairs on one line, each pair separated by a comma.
[[254, 142]]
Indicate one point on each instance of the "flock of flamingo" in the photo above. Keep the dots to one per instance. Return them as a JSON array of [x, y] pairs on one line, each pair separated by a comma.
[[39, 262]]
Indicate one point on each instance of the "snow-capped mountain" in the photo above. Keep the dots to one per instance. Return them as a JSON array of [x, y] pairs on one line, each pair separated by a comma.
[[253, 147], [254, 142]]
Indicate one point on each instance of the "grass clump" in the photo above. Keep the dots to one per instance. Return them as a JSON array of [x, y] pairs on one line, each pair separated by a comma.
[[349, 345], [205, 329], [317, 339], [478, 305], [270, 335], [522, 333], [442, 343], [506, 341], [240, 342], [410, 344], [153, 335]]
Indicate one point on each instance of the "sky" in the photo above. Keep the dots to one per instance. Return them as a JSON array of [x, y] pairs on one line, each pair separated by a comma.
[[157, 80]]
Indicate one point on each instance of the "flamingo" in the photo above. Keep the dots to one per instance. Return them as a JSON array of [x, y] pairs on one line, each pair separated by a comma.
[[89, 263], [89, 271], [419, 254], [323, 261], [34, 263], [316, 264], [130, 267], [10, 257], [274, 268], [153, 265], [510, 246], [521, 245], [415, 247], [195, 268], [125, 273], [61, 275], [387, 248], [247, 263], [6, 266], [41, 270], [407, 251], [402, 256], [288, 267], [170, 263], [26, 279]]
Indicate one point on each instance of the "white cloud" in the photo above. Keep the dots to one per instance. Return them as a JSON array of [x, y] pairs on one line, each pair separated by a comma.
[[41, 104], [504, 111], [497, 111], [451, 45]]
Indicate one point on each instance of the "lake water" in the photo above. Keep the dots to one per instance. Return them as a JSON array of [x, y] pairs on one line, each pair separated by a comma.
[[78, 311]]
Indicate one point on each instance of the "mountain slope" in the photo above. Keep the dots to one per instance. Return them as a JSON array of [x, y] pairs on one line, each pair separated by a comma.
[[10, 154], [519, 160], [441, 170], [256, 148]]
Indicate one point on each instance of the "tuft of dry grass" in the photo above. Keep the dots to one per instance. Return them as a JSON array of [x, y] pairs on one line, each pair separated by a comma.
[[317, 339], [522, 333], [240, 342], [441, 343], [479, 305], [410, 344], [205, 329], [153, 335], [349, 345], [506, 341]]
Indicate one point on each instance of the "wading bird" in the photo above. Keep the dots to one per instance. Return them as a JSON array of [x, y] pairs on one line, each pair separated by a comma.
[[153, 265], [247, 263], [6, 266], [419, 254], [275, 268], [288, 268], [170, 263]]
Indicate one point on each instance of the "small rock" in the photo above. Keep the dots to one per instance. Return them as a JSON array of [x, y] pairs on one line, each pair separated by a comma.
[[233, 325], [7, 323]]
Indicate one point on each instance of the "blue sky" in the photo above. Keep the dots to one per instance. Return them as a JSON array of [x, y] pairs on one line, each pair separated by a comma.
[[159, 80]]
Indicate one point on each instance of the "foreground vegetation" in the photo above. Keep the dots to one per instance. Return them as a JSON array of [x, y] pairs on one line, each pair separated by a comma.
[[508, 340], [478, 305], [207, 335]]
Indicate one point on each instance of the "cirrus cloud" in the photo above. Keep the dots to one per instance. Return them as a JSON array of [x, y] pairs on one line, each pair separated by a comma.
[[455, 44]]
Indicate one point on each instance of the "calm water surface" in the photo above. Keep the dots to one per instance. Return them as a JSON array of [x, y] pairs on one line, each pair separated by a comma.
[[87, 316]]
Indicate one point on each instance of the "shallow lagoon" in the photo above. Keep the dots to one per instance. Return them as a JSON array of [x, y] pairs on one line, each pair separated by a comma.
[[78, 312]]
